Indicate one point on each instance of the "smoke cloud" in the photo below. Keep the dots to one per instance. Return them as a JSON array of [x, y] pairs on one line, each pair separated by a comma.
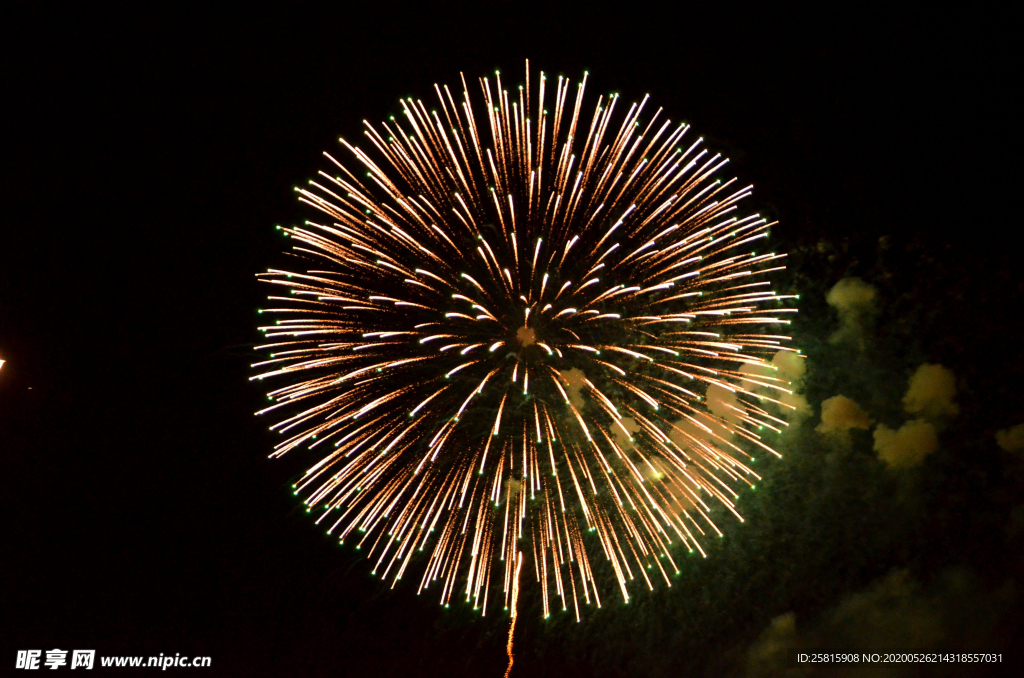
[[526, 336], [722, 402], [771, 654], [908, 446], [1011, 439], [575, 381], [929, 395], [895, 612], [931, 392], [790, 365], [512, 488], [839, 414], [685, 432], [854, 301], [787, 370], [622, 438]]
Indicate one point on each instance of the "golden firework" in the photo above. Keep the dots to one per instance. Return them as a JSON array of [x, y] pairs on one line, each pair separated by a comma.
[[524, 329]]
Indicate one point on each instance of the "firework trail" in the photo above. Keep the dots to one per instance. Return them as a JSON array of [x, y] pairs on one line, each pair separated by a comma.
[[523, 326], [515, 613]]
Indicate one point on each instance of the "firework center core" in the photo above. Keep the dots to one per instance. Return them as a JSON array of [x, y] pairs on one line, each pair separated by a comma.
[[526, 336]]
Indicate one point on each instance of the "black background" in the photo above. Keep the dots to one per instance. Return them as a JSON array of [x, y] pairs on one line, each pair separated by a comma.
[[147, 156]]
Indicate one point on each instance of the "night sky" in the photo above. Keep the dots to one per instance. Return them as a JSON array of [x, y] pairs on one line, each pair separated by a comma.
[[147, 158]]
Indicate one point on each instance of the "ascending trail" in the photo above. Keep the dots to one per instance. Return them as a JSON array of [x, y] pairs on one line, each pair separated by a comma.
[[515, 601]]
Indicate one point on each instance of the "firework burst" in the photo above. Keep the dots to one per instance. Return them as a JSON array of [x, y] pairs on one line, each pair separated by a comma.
[[524, 329]]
